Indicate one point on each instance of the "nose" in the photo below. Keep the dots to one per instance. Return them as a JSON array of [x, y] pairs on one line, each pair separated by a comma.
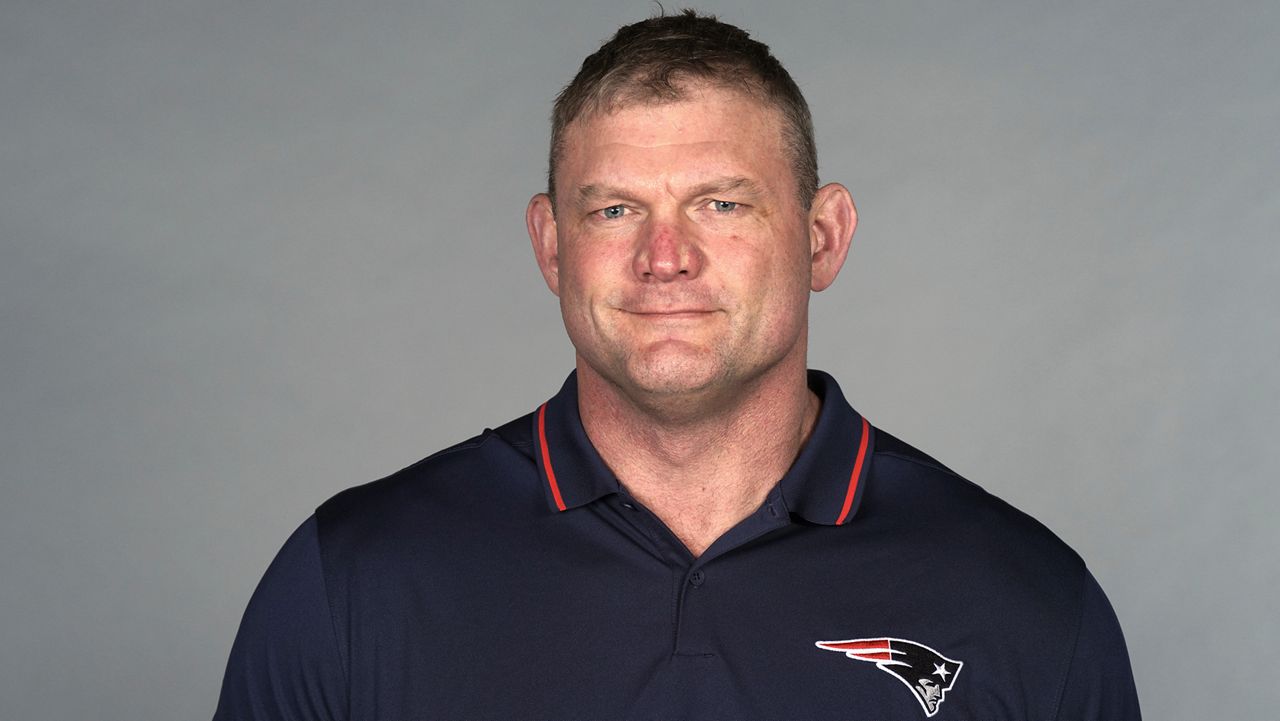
[[665, 252]]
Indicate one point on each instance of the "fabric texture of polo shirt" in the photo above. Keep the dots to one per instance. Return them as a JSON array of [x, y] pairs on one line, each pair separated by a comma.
[[513, 577]]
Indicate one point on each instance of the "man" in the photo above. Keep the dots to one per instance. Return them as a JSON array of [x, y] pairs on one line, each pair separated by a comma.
[[695, 522]]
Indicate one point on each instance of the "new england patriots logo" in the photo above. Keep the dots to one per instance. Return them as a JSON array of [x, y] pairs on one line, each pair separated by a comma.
[[926, 672]]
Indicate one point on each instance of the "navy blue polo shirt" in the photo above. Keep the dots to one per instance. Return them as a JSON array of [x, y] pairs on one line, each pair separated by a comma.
[[513, 577]]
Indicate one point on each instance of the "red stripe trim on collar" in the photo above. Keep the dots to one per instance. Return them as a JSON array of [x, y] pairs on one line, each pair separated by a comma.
[[853, 478], [546, 456]]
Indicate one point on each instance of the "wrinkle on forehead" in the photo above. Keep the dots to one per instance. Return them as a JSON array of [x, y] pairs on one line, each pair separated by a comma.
[[686, 93], [657, 130], [646, 121]]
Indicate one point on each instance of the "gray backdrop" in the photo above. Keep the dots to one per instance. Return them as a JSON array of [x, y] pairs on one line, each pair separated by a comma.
[[250, 256]]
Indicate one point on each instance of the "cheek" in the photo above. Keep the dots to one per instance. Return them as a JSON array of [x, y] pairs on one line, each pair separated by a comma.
[[584, 285], [778, 294], [592, 261], [575, 275], [776, 280]]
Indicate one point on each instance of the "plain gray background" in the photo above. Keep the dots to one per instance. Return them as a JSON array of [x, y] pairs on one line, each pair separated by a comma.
[[252, 254]]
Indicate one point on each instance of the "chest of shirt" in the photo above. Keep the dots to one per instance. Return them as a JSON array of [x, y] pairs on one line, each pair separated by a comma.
[[594, 614]]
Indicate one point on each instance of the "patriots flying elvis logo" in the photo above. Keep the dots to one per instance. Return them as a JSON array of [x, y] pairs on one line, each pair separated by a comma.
[[926, 672]]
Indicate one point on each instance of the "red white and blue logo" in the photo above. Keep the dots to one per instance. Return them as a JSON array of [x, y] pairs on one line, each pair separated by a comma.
[[926, 672]]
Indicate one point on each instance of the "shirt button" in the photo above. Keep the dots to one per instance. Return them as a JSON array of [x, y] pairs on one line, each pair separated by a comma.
[[697, 578], [628, 506]]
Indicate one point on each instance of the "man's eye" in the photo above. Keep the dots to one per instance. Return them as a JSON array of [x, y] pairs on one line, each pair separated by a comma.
[[613, 211], [724, 206]]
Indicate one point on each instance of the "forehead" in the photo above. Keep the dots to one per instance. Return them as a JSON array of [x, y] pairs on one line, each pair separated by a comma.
[[707, 131], [695, 100]]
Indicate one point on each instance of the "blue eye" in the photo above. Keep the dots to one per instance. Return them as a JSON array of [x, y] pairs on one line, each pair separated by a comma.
[[613, 211], [724, 206]]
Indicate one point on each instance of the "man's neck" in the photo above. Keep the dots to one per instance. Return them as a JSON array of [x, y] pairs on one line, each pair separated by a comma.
[[701, 465]]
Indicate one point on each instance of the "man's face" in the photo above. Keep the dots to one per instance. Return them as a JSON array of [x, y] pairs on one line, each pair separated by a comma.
[[930, 692], [679, 251]]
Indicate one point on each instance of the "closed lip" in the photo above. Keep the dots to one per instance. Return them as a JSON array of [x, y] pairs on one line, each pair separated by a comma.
[[673, 312]]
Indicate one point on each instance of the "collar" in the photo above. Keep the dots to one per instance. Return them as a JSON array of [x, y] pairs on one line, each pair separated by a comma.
[[824, 485]]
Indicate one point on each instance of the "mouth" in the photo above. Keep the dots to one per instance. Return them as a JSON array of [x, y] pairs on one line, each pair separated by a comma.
[[672, 314]]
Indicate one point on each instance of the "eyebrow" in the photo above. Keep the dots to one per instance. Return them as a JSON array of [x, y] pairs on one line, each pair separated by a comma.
[[592, 192], [729, 184]]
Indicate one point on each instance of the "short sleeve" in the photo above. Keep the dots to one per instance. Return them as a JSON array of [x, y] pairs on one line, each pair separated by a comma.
[[1099, 682], [284, 664]]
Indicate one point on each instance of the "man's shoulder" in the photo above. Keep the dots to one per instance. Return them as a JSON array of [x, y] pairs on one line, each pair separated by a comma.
[[890, 445], [924, 498], [475, 477]]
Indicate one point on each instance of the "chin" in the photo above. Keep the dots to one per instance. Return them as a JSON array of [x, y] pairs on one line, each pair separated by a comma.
[[674, 373]]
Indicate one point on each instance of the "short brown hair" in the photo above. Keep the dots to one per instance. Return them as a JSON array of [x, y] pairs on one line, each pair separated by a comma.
[[654, 60]]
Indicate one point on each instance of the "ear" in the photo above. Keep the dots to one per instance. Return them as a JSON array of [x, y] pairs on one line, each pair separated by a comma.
[[540, 219], [832, 220]]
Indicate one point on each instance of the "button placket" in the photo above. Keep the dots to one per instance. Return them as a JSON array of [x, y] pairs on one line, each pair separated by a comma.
[[695, 602]]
